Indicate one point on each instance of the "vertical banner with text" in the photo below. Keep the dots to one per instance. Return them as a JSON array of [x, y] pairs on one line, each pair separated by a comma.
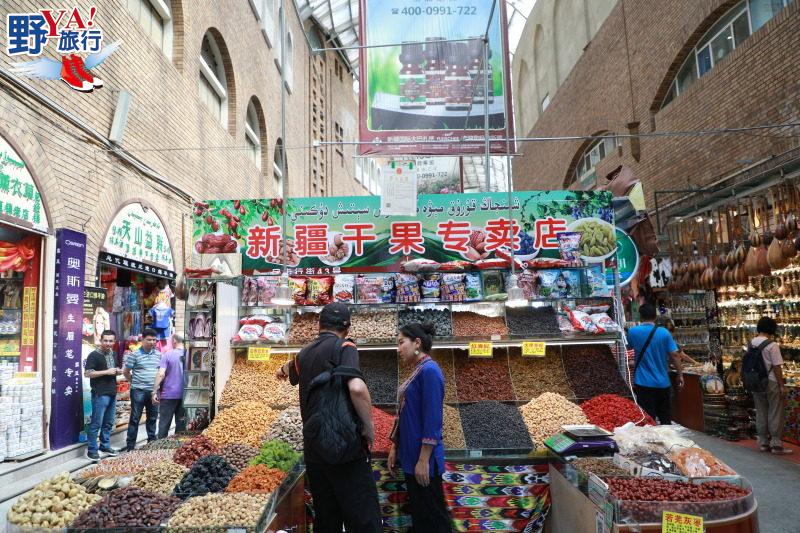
[[66, 412], [424, 74]]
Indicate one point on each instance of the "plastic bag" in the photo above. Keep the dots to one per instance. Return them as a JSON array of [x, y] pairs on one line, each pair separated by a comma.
[[274, 333], [430, 289], [493, 283], [453, 288], [344, 288], [267, 287], [248, 333], [604, 322], [369, 290], [319, 291], [298, 286], [583, 322], [388, 289], [408, 288], [631, 438], [569, 246], [547, 283], [596, 279], [420, 265], [697, 462], [473, 287]]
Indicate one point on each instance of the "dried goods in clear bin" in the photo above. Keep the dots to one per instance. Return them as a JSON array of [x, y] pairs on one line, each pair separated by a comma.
[[533, 321], [443, 358], [483, 379], [440, 318], [494, 425], [380, 373], [592, 370], [452, 432], [545, 414], [374, 325], [469, 324], [533, 376], [304, 328]]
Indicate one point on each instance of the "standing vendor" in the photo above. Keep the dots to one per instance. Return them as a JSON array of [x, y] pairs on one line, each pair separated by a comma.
[[419, 445]]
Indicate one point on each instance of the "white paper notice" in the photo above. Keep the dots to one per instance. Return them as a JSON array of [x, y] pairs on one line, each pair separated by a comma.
[[399, 189]]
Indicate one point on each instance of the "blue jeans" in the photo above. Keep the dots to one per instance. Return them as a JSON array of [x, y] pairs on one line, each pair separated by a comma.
[[104, 408], [141, 399]]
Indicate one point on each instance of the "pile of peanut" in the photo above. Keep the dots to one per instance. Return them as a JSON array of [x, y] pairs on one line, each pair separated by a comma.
[[545, 414], [533, 376], [244, 422], [304, 329], [256, 381], [219, 510]]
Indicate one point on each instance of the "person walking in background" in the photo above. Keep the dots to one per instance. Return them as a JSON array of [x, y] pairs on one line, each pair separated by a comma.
[[654, 347], [419, 447], [101, 369], [169, 388], [343, 493], [141, 368], [770, 408]]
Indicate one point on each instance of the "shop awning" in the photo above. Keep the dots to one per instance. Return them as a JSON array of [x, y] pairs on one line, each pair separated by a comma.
[[137, 266]]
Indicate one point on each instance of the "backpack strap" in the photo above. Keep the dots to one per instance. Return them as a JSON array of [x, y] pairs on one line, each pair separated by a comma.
[[760, 349], [646, 345]]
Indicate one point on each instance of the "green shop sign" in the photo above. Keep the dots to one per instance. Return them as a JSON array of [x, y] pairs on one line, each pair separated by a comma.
[[340, 234], [627, 258], [19, 196], [137, 233]]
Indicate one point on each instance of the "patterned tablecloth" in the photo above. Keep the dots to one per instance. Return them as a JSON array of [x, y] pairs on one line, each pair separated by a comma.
[[513, 498]]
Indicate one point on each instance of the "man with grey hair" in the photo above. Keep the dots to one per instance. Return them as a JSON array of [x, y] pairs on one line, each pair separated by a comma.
[[169, 386]]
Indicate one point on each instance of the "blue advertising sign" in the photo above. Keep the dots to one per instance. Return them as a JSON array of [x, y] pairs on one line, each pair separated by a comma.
[[66, 412]]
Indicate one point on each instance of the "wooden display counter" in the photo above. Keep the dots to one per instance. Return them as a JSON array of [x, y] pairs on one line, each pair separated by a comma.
[[573, 512], [687, 403]]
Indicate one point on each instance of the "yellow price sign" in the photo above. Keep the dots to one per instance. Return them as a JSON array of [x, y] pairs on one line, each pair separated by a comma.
[[480, 349], [26, 375], [533, 349], [681, 523], [259, 353]]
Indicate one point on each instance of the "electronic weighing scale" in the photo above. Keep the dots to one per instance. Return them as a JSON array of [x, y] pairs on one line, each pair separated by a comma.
[[582, 440]]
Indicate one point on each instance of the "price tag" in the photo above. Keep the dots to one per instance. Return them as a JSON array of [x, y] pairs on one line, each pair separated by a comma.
[[26, 375], [681, 523], [259, 353], [480, 349], [533, 349]]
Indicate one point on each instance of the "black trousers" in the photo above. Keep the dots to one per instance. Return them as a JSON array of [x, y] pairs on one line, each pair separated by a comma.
[[428, 510], [344, 495], [166, 409], [655, 402]]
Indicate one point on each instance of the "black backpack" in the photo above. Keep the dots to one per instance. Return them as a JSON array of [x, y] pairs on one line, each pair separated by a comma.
[[333, 428], [755, 376]]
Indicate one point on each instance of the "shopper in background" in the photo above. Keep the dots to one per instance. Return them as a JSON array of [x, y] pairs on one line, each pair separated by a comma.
[[169, 387], [343, 494], [418, 447], [654, 347], [140, 369], [770, 409], [101, 369]]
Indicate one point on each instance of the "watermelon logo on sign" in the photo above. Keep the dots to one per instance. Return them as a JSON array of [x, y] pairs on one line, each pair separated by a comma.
[[75, 31]]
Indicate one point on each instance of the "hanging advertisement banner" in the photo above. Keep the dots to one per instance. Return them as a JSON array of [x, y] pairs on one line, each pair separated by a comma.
[[422, 96], [66, 413], [399, 188], [340, 234]]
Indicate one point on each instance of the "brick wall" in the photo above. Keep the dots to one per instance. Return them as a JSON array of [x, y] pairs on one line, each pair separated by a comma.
[[756, 84], [169, 128]]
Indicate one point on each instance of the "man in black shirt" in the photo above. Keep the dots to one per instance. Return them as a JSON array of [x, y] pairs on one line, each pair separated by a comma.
[[343, 494], [102, 372]]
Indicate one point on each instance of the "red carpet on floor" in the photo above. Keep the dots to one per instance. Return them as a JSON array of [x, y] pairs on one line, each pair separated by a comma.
[[752, 444]]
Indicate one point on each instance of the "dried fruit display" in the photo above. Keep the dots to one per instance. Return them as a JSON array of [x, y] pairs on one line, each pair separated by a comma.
[[161, 477], [255, 381], [545, 414], [256, 479], [592, 370], [483, 379], [288, 427], [244, 422], [198, 447], [128, 507], [494, 425], [533, 376], [610, 411], [208, 474], [469, 324], [380, 373], [219, 511], [452, 432]]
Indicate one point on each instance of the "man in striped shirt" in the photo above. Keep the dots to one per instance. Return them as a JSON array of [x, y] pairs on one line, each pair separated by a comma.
[[141, 368]]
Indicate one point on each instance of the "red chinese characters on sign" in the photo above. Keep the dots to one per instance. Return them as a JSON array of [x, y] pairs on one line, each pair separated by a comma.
[[263, 241], [498, 234], [361, 233], [547, 231], [455, 235], [311, 240], [406, 237]]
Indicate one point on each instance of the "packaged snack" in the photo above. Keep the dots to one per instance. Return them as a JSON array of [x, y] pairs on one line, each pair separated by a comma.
[[456, 265], [569, 284], [248, 333], [564, 324], [472, 282], [548, 280], [420, 265], [369, 290], [596, 279], [453, 288], [583, 322], [408, 288], [388, 289], [319, 290], [430, 289], [249, 292], [604, 322], [546, 262], [569, 245], [298, 286], [493, 283], [274, 333], [257, 320], [485, 264], [344, 287], [528, 281], [267, 286]]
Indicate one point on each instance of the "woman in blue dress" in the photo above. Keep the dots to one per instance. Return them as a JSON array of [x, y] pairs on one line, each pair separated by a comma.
[[418, 447]]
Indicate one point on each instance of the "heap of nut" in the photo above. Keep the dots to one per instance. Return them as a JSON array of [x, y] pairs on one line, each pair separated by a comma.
[[244, 422], [288, 427], [161, 477], [256, 381], [52, 503], [219, 510]]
